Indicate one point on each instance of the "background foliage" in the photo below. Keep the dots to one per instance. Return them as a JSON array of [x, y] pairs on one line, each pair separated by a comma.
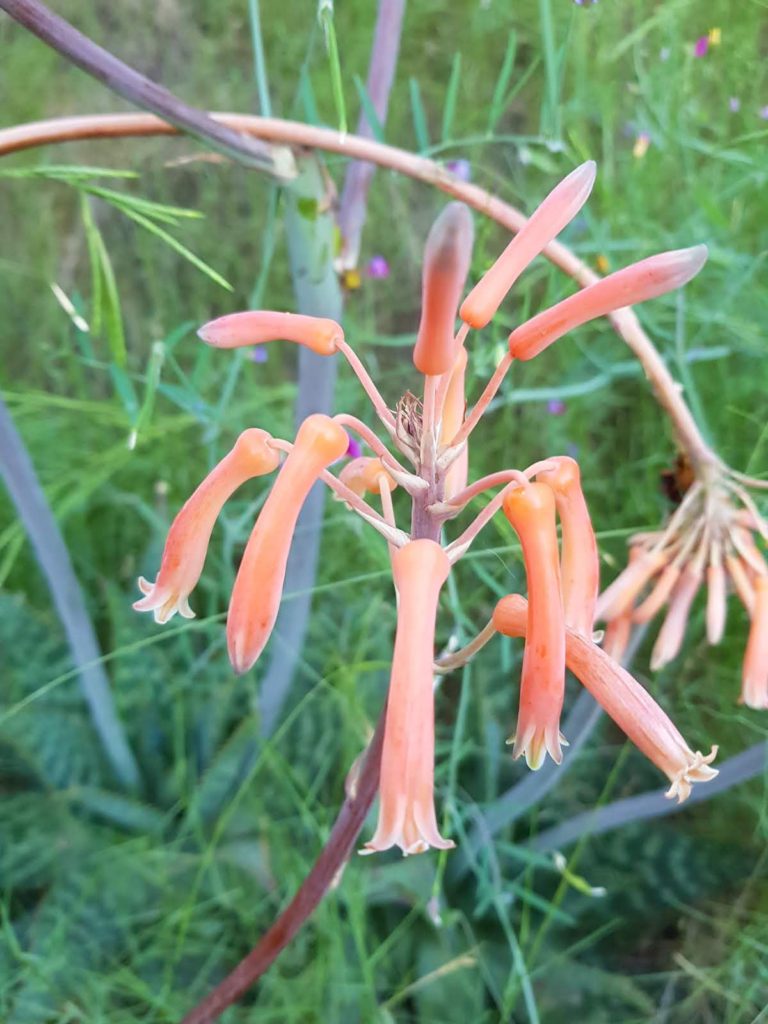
[[126, 906]]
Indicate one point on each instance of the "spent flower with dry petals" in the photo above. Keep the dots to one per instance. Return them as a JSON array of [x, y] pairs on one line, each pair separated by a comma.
[[425, 453]]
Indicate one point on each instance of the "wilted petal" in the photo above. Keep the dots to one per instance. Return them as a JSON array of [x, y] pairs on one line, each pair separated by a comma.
[[259, 582], [621, 594], [741, 582], [531, 511], [256, 327], [670, 638], [625, 700], [447, 256], [617, 635], [716, 601], [659, 596], [407, 808], [190, 532], [754, 682], [580, 564], [637, 283], [547, 221]]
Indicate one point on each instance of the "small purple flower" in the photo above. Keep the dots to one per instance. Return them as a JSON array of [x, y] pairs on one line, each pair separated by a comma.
[[259, 354], [763, 113], [664, 53], [354, 449], [734, 104], [461, 168], [701, 46], [556, 407], [377, 267]]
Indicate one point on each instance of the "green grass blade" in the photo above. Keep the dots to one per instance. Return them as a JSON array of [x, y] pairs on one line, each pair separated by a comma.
[[325, 14], [419, 116], [499, 98], [449, 108], [368, 108]]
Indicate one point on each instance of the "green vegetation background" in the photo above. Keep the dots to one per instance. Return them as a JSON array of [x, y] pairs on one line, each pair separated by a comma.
[[128, 907]]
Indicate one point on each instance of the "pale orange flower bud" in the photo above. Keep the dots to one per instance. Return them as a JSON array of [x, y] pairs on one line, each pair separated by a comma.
[[447, 256], [630, 706], [672, 631], [754, 681], [580, 564], [547, 221], [620, 595], [741, 582], [407, 808], [637, 283], [531, 511], [256, 327], [190, 532], [363, 476], [717, 601], [659, 596], [453, 417], [259, 584]]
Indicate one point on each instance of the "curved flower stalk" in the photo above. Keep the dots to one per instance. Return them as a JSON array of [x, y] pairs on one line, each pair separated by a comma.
[[710, 540], [432, 434]]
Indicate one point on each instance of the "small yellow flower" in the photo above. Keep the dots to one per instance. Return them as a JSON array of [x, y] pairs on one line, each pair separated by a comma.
[[715, 36], [602, 264], [640, 148]]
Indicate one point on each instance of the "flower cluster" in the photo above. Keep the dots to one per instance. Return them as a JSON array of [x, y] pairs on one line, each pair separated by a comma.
[[431, 438], [710, 539]]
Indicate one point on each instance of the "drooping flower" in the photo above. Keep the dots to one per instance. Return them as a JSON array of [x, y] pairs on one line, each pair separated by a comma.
[[259, 582], [624, 699], [187, 543], [407, 807], [366, 475], [256, 327], [580, 564], [531, 511], [754, 686]]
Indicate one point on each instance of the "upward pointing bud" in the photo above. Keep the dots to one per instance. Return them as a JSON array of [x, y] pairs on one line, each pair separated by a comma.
[[636, 283], [548, 220], [447, 256]]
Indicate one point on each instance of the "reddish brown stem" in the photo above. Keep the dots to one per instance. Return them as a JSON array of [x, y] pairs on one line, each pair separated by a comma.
[[332, 858]]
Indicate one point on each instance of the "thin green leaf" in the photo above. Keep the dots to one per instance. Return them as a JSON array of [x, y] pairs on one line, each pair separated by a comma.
[[419, 116], [182, 250], [449, 109], [307, 98], [325, 14], [499, 98], [157, 211], [368, 109]]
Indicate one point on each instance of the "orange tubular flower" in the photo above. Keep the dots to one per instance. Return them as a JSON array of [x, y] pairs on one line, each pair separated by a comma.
[[558, 209], [754, 683], [446, 263], [364, 475], [531, 511], [637, 283], [580, 564], [190, 533], [625, 700], [259, 583], [453, 415], [256, 327], [407, 809]]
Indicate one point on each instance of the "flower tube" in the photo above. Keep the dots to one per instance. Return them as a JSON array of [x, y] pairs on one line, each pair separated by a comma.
[[637, 283], [259, 583], [547, 221], [580, 564], [452, 418], [754, 682], [407, 808], [190, 532], [531, 511], [446, 263], [630, 706], [256, 327], [672, 632]]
